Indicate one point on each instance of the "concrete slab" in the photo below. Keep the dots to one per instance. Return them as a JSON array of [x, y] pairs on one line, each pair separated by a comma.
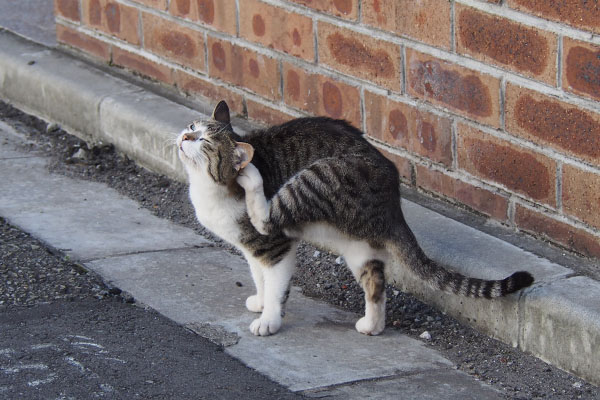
[[561, 323], [431, 385], [317, 345], [85, 219]]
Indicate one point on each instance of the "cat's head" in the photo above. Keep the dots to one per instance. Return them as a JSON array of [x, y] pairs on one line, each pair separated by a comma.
[[209, 145]]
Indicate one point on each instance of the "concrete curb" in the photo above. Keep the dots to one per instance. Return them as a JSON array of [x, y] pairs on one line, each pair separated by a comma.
[[558, 319]]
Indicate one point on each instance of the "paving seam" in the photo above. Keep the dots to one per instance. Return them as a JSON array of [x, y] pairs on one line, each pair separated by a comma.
[[165, 250]]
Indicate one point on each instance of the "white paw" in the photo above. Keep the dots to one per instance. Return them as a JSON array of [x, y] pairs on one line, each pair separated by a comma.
[[249, 178], [254, 304], [265, 326], [368, 326]]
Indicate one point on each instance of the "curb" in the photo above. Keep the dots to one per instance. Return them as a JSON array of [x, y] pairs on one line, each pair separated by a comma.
[[557, 319]]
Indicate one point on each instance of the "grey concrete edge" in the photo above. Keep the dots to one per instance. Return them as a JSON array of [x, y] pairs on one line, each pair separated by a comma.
[[549, 320]]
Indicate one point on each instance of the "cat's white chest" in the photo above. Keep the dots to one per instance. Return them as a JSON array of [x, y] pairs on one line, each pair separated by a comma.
[[217, 212]]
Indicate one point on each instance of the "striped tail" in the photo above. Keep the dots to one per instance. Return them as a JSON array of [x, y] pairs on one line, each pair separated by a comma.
[[409, 253]]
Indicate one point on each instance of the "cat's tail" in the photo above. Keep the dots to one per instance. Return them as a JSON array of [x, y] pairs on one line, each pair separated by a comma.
[[405, 250]]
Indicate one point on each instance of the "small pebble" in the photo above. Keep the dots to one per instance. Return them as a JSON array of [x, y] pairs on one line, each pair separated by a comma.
[[52, 127], [316, 254], [578, 385], [239, 284], [339, 260], [425, 335]]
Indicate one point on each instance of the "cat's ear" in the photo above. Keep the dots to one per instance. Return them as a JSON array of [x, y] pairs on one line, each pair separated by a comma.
[[243, 155], [221, 113]]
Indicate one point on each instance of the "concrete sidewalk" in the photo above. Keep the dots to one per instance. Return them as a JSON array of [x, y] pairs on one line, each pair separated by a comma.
[[183, 276], [558, 319]]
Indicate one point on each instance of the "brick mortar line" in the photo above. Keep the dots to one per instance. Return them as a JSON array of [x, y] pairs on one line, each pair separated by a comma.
[[559, 186], [453, 26], [559, 62], [533, 21], [459, 60], [454, 145]]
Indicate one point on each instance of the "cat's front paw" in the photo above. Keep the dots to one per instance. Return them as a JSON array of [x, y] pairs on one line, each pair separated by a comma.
[[265, 326], [250, 178], [367, 326], [254, 304]]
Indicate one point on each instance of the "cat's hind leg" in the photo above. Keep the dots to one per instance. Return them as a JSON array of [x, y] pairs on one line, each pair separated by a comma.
[[276, 291], [369, 272]]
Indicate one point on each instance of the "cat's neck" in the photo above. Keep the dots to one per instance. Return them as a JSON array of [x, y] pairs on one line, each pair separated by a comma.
[[201, 182]]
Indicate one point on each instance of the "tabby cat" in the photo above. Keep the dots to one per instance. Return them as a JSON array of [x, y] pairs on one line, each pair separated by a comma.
[[318, 180]]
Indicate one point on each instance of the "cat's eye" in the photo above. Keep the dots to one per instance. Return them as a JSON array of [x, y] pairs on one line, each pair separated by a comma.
[[192, 127]]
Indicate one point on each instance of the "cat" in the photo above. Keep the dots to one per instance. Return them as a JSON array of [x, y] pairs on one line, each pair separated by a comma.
[[314, 179]]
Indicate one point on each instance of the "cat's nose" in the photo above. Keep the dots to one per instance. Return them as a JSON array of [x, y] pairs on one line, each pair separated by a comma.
[[187, 137]]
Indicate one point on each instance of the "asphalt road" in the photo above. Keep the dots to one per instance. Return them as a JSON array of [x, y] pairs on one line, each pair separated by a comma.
[[64, 335]]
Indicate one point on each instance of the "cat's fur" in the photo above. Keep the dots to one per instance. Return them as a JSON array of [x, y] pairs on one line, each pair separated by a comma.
[[313, 179]]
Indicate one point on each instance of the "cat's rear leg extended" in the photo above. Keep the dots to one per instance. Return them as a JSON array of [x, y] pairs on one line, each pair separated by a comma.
[[370, 275]]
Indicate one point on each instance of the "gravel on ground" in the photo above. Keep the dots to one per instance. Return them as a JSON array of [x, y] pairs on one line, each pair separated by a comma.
[[319, 274]]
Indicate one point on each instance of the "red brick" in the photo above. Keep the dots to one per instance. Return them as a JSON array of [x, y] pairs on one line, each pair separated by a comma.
[[244, 67], [157, 4], [81, 41], [468, 92], [67, 9], [581, 194], [567, 235], [113, 18], [548, 121], [142, 65], [518, 169], [341, 8], [496, 40], [404, 165], [218, 14], [425, 20], [581, 66], [360, 55], [581, 14], [402, 125], [482, 200], [320, 95], [173, 41], [196, 86], [277, 28], [266, 115]]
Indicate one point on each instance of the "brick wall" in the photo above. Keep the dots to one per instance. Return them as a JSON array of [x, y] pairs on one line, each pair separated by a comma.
[[491, 104]]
